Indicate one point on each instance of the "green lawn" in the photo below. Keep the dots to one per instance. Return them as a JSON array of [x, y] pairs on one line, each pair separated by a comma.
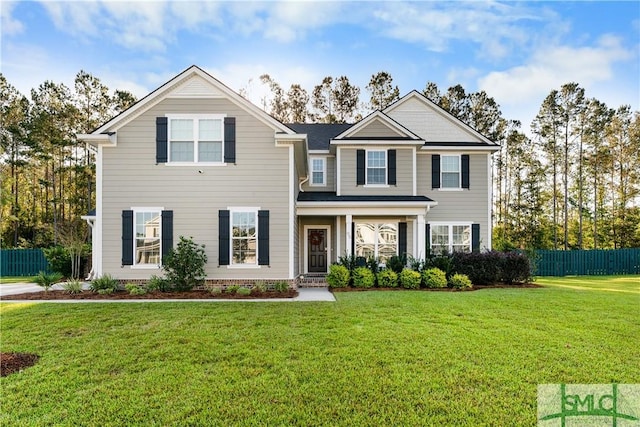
[[17, 279], [370, 359]]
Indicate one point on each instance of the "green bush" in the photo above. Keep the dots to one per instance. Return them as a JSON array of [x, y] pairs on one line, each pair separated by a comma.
[[157, 283], [338, 276], [243, 291], [281, 286], [73, 287], [348, 261], [260, 287], [232, 289], [434, 278], [184, 265], [397, 263], [106, 284], [460, 281], [516, 268], [410, 279], [135, 289], [215, 290], [59, 260], [363, 278], [47, 280], [387, 279]]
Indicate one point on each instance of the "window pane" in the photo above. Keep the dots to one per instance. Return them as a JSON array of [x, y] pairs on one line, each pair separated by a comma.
[[450, 164], [461, 238], [387, 241], [209, 151], [244, 251], [181, 130], [365, 240], [147, 242], [181, 151], [376, 176], [244, 224], [210, 130], [450, 180], [440, 238], [317, 178], [376, 159], [317, 165]]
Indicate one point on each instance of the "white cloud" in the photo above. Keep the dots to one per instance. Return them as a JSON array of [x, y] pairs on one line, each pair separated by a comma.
[[8, 25]]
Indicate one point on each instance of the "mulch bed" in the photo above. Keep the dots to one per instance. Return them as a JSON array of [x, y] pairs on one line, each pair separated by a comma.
[[15, 362], [124, 295], [474, 288]]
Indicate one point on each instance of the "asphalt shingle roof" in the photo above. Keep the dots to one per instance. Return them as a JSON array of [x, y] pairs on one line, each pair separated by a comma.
[[319, 134]]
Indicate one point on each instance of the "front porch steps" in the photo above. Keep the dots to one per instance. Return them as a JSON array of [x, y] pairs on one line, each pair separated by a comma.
[[313, 280]]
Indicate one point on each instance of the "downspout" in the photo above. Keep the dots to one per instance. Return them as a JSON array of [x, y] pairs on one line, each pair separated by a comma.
[[302, 182]]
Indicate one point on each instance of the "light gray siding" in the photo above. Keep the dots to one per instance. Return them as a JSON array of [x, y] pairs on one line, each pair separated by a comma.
[[376, 129], [404, 175], [467, 206], [330, 178], [259, 179]]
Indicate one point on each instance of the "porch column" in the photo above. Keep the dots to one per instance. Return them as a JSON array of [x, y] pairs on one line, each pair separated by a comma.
[[421, 238], [348, 222], [338, 251]]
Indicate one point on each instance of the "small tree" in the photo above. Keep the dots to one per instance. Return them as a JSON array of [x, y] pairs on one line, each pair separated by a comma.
[[184, 265]]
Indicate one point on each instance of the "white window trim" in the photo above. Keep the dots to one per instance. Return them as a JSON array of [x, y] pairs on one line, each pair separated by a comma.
[[135, 210], [386, 168], [237, 209], [195, 118], [450, 226], [377, 223], [324, 171], [459, 187]]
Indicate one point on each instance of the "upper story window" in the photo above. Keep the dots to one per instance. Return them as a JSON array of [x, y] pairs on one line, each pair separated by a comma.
[[377, 167], [318, 171], [196, 139], [450, 170], [147, 237]]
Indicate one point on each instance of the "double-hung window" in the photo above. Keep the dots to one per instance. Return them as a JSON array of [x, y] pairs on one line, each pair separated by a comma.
[[450, 171], [451, 238], [196, 138], [318, 171], [244, 237], [376, 167], [378, 240], [147, 237]]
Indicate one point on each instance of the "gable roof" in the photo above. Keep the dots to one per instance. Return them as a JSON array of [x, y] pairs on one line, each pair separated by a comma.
[[378, 116], [193, 82], [415, 96], [319, 135]]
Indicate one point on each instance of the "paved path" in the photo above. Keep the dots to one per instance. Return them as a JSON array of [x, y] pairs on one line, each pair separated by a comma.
[[304, 295]]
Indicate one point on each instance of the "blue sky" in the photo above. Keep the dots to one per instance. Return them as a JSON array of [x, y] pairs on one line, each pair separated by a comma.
[[516, 51]]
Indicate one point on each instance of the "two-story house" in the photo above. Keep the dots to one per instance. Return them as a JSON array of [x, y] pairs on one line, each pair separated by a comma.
[[272, 201]]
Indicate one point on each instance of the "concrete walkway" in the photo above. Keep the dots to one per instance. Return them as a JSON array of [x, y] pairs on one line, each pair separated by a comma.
[[304, 295]]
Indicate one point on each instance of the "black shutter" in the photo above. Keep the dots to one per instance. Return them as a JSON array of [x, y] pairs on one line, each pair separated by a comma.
[[465, 170], [229, 139], [360, 170], [263, 237], [167, 232], [475, 237], [402, 238], [427, 238], [127, 237], [391, 171], [435, 171], [161, 140], [223, 237]]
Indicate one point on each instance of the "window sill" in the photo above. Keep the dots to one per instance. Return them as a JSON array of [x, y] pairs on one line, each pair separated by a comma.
[[244, 267], [317, 185], [376, 186], [194, 164], [452, 189], [146, 267]]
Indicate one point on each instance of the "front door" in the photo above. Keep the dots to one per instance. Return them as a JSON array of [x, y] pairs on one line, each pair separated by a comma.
[[317, 238]]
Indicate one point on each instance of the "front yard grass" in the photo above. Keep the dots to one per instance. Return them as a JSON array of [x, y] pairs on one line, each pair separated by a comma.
[[370, 359], [17, 279]]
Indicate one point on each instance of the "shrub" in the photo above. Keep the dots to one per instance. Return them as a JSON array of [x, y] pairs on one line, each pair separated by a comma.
[[232, 289], [59, 260], [348, 262], [434, 278], [397, 263], [157, 283], [73, 287], [281, 286], [482, 268], [516, 268], [106, 284], [410, 279], [184, 265], [243, 291], [338, 276], [387, 279], [260, 287], [460, 281], [46, 280], [134, 289], [215, 290], [443, 262], [363, 278]]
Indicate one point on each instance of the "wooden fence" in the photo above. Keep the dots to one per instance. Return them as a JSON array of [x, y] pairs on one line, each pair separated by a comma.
[[587, 262], [22, 262]]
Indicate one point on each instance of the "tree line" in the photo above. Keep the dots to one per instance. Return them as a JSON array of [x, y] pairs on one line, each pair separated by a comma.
[[572, 182]]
